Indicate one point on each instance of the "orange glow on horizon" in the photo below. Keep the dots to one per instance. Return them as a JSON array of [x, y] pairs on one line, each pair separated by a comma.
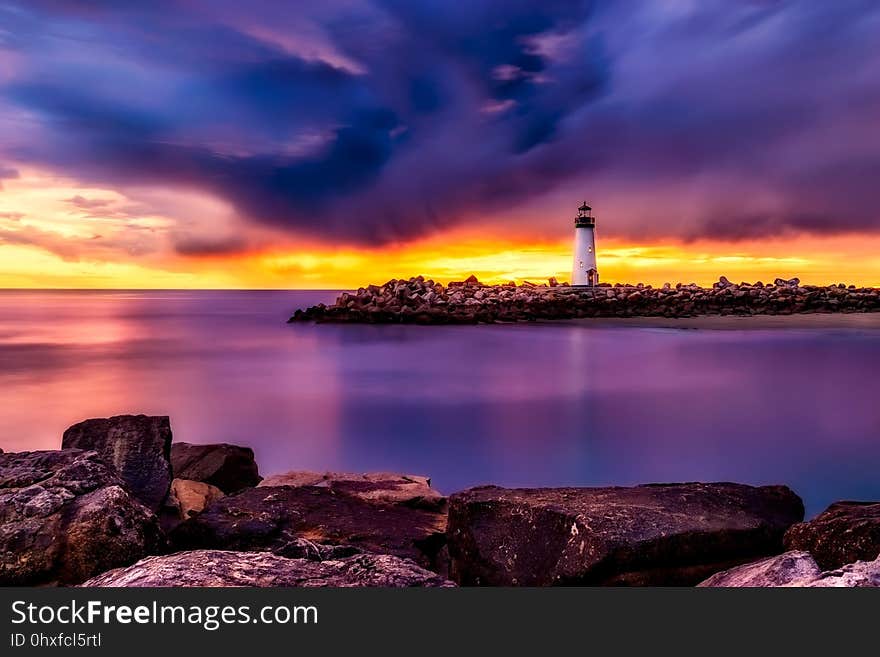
[[815, 261], [57, 233]]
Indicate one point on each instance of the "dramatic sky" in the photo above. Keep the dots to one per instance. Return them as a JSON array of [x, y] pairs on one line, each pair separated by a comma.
[[330, 143]]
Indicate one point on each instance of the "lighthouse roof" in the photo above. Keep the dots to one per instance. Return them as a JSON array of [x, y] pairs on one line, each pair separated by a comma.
[[585, 207]]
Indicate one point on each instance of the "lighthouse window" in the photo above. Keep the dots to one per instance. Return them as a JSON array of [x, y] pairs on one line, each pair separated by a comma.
[[590, 249]]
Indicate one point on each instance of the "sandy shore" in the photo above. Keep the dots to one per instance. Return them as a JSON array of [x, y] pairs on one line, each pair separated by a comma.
[[858, 321]]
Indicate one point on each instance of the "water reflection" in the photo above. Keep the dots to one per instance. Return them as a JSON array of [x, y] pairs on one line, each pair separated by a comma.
[[516, 405]]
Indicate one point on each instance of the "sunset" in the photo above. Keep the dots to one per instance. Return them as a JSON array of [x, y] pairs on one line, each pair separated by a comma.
[[547, 297], [64, 234], [219, 147]]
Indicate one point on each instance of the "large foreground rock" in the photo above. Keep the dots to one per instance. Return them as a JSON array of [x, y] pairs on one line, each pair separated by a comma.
[[227, 568], [138, 446], [845, 532], [269, 517], [797, 569], [672, 534], [781, 570], [382, 487], [228, 467], [65, 516]]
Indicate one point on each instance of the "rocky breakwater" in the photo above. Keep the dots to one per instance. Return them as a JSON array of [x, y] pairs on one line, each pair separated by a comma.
[[111, 505], [424, 301], [93, 514]]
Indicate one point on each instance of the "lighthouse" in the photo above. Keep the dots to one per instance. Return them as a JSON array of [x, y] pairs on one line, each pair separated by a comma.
[[584, 270]]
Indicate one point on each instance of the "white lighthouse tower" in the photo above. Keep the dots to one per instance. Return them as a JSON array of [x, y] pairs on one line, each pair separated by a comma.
[[585, 271]]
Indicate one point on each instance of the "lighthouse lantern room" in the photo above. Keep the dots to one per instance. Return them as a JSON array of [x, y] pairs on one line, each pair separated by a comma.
[[585, 272]]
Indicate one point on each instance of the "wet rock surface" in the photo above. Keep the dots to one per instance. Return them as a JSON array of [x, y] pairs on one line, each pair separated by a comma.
[[670, 534], [65, 516], [270, 517], [380, 487], [845, 532], [138, 446], [261, 569], [230, 468], [424, 301]]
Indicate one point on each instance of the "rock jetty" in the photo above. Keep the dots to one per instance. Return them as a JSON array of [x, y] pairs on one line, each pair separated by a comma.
[[74, 515], [424, 301]]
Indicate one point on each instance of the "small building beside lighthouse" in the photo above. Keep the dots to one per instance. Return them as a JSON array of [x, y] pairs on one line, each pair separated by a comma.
[[585, 271]]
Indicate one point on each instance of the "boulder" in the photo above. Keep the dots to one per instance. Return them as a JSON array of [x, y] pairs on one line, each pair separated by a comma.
[[262, 569], [845, 532], [138, 446], [781, 570], [382, 487], [860, 574], [797, 569], [657, 534], [65, 516], [228, 467], [185, 499], [270, 517]]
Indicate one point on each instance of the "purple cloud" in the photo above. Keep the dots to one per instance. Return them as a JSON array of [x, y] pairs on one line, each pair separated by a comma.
[[370, 122]]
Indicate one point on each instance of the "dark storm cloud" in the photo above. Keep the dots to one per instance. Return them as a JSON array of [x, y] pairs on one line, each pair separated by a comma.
[[378, 121], [194, 245]]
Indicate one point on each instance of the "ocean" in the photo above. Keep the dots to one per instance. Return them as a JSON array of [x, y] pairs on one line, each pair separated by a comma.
[[514, 405]]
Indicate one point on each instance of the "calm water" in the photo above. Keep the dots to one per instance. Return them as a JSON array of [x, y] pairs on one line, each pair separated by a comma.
[[514, 405]]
